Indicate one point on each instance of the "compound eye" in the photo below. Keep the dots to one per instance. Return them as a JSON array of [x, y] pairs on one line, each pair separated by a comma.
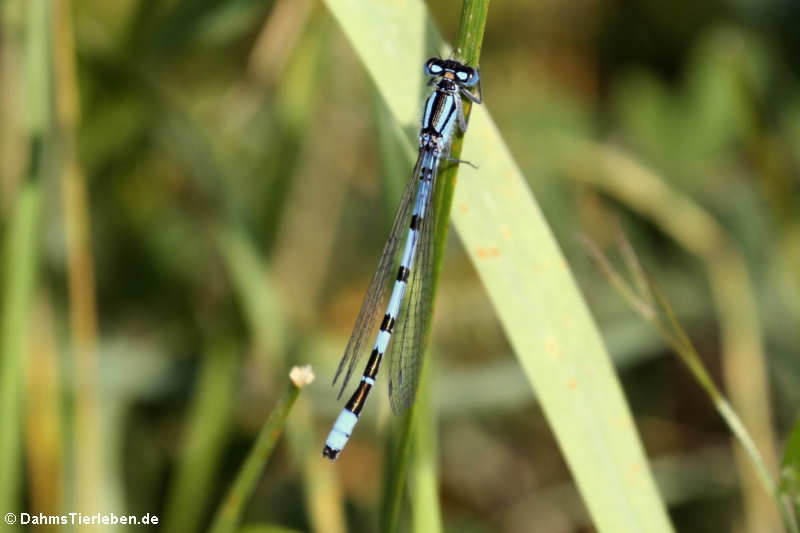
[[433, 67], [468, 77]]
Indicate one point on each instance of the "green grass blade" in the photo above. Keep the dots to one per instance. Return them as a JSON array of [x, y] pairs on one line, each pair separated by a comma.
[[399, 458], [322, 494], [790, 474], [266, 528], [553, 336], [468, 45], [20, 266], [230, 511], [19, 260], [87, 433], [255, 289], [690, 357], [423, 479], [531, 288], [733, 296], [204, 440]]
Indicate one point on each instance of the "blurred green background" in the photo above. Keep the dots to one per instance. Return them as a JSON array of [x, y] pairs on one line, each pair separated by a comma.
[[205, 188]]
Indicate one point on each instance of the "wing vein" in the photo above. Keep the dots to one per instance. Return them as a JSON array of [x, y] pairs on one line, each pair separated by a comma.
[[367, 319], [409, 345]]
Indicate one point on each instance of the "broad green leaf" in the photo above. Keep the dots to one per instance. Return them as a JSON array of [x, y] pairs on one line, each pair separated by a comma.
[[528, 282]]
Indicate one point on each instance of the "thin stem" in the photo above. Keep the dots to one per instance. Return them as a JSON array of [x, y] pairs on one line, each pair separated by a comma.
[[20, 266], [20, 257], [230, 511], [667, 324], [468, 47], [80, 268], [470, 30], [687, 353], [730, 285], [615, 278], [204, 439]]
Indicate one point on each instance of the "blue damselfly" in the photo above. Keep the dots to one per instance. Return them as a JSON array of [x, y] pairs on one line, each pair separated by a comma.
[[443, 110]]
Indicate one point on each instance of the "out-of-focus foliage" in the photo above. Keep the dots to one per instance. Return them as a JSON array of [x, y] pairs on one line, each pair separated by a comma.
[[237, 199], [790, 469]]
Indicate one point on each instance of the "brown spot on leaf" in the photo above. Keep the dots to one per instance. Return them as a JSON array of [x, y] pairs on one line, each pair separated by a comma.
[[552, 348]]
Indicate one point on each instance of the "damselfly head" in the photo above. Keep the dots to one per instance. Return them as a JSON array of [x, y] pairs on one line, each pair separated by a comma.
[[453, 70]]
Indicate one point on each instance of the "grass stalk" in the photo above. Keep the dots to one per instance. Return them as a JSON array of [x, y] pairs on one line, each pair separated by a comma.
[[44, 417], [468, 46], [230, 511], [80, 269], [204, 439], [732, 291], [688, 354], [322, 493], [664, 320], [423, 470], [20, 251], [20, 267], [790, 475]]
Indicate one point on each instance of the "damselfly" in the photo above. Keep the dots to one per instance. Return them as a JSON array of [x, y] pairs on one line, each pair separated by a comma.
[[443, 110]]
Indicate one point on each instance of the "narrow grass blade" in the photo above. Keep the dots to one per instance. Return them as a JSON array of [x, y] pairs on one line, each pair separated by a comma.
[[399, 458], [19, 260], [697, 231], [322, 494], [468, 45], [692, 360], [19, 268], [423, 479], [689, 355], [666, 322], [536, 299], [255, 289], [44, 415], [266, 528], [790, 474], [204, 439], [80, 269], [230, 511]]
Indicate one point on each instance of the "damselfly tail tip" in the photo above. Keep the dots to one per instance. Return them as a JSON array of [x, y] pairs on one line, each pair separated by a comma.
[[330, 453]]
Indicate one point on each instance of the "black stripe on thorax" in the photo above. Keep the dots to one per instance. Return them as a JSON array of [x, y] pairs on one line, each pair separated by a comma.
[[439, 101], [450, 115]]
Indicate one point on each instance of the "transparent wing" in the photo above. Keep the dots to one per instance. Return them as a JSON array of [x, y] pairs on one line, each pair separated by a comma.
[[371, 308], [409, 338]]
